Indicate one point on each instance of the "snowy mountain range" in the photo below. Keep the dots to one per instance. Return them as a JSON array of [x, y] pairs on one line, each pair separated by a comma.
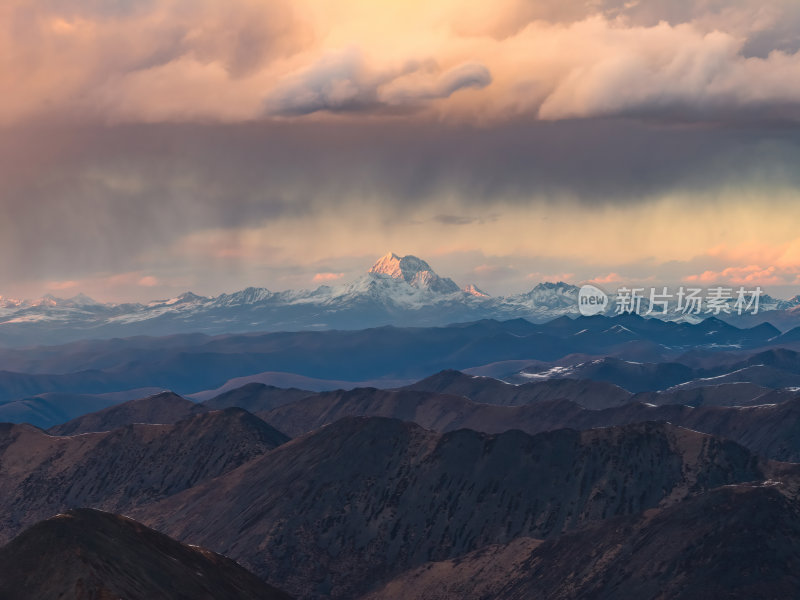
[[397, 290]]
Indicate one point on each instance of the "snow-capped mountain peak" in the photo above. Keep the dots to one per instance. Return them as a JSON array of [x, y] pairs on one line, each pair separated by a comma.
[[414, 271], [474, 290], [82, 300], [185, 298], [559, 287], [547, 295], [46, 300], [400, 267], [11, 302], [401, 290], [250, 295]]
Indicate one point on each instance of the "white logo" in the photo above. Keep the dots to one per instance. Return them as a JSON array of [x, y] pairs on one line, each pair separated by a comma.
[[591, 300]]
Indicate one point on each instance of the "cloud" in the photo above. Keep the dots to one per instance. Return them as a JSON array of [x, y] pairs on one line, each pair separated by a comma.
[[609, 278], [335, 83], [414, 87], [129, 286], [323, 277], [454, 219], [141, 61], [494, 273], [128, 279], [551, 277], [774, 263], [62, 285], [747, 275], [221, 201], [768, 25], [148, 281], [446, 219], [665, 71], [343, 82], [217, 143], [469, 61]]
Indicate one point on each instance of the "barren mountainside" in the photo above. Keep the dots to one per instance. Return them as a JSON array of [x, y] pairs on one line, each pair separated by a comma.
[[487, 390], [770, 430], [361, 500], [732, 542], [164, 408], [42, 474]]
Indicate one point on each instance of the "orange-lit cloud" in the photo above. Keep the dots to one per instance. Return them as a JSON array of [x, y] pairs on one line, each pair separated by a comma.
[[610, 278], [62, 285], [765, 263], [148, 281], [132, 285], [238, 60], [566, 277], [323, 277], [749, 275]]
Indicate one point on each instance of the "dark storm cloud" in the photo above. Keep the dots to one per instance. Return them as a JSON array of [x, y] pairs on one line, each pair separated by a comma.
[[454, 220], [83, 199], [464, 220]]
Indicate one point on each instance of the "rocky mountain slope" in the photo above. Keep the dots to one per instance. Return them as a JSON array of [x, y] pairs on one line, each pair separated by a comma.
[[46, 410], [770, 430], [487, 390], [739, 541], [255, 397], [42, 474], [594, 394], [86, 554], [164, 408], [361, 500]]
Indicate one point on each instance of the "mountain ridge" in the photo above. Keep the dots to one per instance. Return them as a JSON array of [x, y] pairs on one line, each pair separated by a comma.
[[399, 290], [737, 541], [360, 500], [116, 470]]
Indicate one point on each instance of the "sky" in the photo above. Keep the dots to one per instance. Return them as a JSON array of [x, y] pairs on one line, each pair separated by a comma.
[[149, 147]]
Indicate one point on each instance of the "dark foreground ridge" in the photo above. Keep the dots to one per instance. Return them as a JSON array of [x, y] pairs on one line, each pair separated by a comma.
[[88, 554]]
